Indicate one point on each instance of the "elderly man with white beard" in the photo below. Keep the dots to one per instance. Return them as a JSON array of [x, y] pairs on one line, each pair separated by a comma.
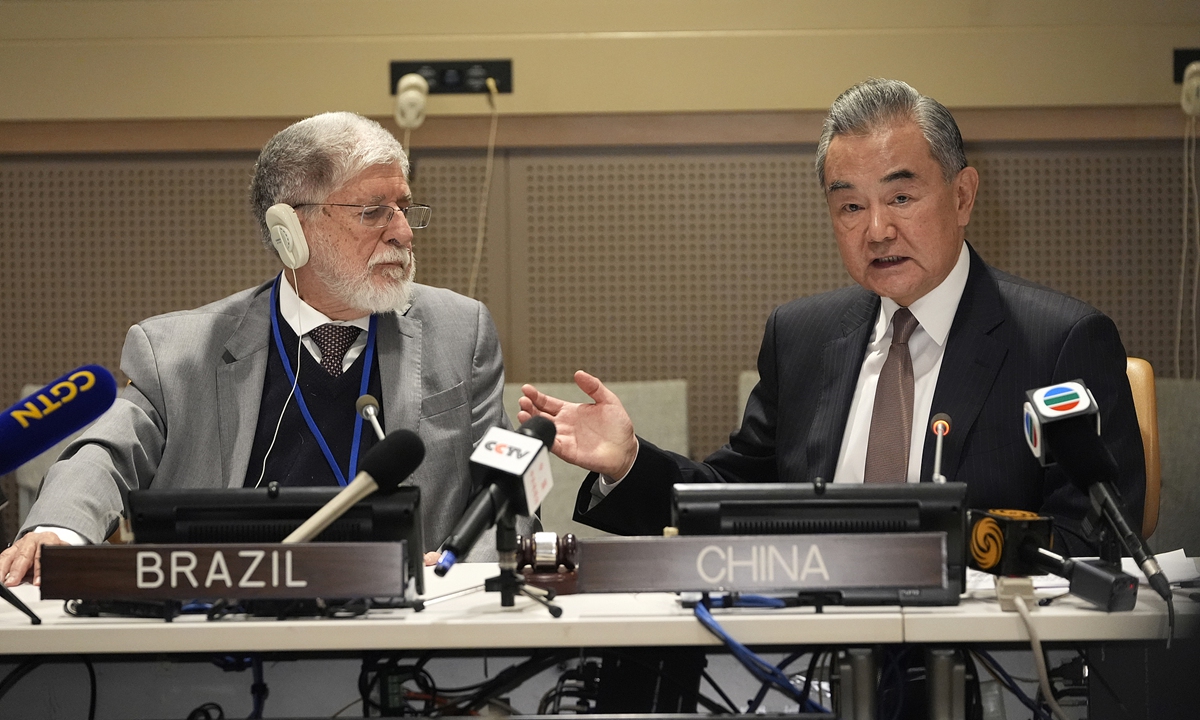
[[246, 391]]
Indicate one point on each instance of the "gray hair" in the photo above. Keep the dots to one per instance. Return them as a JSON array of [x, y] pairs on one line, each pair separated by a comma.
[[874, 103], [308, 161]]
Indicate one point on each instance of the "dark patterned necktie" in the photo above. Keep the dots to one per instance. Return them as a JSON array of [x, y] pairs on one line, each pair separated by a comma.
[[891, 420], [334, 341]]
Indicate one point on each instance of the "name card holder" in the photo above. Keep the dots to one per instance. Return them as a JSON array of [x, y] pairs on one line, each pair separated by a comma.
[[216, 571], [906, 565]]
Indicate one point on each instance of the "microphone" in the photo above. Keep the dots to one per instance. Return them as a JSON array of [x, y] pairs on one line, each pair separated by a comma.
[[37, 422], [368, 407], [941, 428], [1062, 426], [1017, 542], [383, 468], [516, 470]]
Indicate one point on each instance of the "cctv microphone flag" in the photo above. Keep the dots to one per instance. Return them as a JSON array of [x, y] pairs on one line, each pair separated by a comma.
[[517, 455], [1051, 404]]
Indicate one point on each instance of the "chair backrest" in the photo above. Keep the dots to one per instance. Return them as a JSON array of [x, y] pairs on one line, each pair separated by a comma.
[[1141, 381]]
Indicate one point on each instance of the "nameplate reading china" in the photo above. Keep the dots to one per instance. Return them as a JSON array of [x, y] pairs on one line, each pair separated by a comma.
[[762, 562], [210, 571]]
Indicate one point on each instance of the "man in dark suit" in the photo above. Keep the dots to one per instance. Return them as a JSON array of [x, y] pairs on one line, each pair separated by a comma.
[[849, 379]]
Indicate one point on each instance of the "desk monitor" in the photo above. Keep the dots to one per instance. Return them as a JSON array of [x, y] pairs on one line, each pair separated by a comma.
[[262, 515], [804, 508]]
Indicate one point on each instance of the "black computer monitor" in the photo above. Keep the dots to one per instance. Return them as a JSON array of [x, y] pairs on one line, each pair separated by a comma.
[[268, 515], [805, 508]]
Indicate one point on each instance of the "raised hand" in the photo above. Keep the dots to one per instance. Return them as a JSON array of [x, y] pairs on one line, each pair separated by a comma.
[[596, 436]]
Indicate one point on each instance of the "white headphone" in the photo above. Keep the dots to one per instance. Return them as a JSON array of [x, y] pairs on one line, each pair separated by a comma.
[[287, 237]]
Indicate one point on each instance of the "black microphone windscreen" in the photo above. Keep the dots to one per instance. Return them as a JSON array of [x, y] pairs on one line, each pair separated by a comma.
[[393, 459], [1079, 451], [541, 428]]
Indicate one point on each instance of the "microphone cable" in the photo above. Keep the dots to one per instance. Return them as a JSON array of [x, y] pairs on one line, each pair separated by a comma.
[[762, 670], [487, 188], [1039, 658], [295, 381]]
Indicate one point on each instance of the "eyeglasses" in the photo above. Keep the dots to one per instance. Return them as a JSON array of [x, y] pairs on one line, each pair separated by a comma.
[[377, 216]]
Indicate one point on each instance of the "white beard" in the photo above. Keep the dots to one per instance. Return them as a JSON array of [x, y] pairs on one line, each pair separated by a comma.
[[376, 291]]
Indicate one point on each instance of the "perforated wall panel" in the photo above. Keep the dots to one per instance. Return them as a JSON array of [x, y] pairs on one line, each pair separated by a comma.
[[452, 185], [88, 247], [633, 265], [648, 266]]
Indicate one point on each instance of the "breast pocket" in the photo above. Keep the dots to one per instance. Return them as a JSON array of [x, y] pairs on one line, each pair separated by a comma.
[[444, 401]]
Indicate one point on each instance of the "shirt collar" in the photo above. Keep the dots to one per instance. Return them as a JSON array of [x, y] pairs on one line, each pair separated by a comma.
[[299, 314], [935, 310]]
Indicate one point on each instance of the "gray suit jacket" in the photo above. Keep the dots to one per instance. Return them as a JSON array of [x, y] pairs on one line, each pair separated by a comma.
[[188, 416]]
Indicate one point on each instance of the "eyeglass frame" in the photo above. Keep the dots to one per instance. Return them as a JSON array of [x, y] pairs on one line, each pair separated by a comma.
[[362, 217]]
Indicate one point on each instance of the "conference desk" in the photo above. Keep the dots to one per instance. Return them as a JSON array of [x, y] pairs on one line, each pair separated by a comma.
[[477, 622]]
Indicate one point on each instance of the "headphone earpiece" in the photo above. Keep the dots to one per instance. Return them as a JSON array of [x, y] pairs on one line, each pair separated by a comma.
[[287, 237]]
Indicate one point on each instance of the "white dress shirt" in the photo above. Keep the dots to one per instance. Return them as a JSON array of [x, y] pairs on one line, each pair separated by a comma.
[[935, 314], [302, 317]]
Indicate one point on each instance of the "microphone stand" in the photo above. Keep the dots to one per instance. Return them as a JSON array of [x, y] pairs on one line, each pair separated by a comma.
[[15, 601], [509, 582]]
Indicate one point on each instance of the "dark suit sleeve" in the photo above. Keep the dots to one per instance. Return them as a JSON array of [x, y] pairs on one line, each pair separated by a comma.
[[641, 503], [1093, 352]]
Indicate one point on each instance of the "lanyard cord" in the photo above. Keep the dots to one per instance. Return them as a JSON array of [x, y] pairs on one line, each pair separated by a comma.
[[308, 418]]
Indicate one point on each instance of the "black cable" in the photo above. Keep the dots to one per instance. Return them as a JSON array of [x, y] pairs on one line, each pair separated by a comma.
[[204, 712], [806, 691], [1104, 683], [974, 689], [92, 695], [509, 678], [1170, 618], [1007, 680], [701, 699], [258, 689], [365, 682], [14, 676], [766, 687], [728, 701]]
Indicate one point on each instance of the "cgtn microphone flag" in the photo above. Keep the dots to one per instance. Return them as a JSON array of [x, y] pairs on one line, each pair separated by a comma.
[[519, 456], [39, 421], [1055, 403]]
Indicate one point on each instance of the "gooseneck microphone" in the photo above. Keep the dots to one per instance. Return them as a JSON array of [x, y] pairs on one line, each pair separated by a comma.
[[516, 476], [368, 407], [382, 469], [940, 426], [1062, 424], [49, 415]]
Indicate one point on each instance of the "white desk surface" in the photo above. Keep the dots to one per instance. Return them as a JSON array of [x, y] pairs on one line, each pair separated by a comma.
[[476, 621]]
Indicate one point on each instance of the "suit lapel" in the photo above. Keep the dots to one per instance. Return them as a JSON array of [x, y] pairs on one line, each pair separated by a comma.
[[399, 355], [240, 385], [969, 368], [841, 359]]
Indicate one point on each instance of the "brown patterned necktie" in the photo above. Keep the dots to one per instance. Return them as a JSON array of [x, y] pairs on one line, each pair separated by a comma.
[[334, 341], [891, 420]]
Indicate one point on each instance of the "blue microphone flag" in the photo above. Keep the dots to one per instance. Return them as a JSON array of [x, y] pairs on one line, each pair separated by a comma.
[[37, 422]]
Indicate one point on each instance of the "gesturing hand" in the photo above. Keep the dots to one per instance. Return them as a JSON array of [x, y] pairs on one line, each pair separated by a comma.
[[596, 436]]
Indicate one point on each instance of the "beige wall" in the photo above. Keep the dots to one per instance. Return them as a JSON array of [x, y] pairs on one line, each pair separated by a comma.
[[153, 59]]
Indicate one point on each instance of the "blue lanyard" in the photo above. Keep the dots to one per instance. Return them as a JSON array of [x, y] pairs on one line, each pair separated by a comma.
[[308, 418]]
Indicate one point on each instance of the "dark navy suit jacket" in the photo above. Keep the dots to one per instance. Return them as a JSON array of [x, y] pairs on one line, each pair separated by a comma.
[[1008, 336]]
